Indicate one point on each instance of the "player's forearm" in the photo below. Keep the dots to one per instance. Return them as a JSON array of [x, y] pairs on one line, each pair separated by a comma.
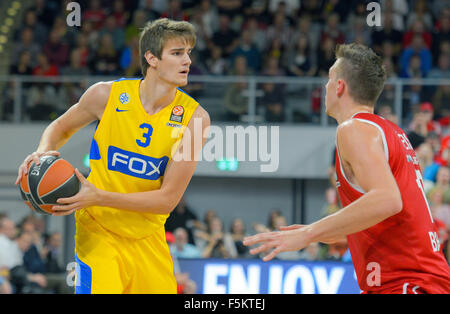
[[367, 211], [155, 202], [53, 138]]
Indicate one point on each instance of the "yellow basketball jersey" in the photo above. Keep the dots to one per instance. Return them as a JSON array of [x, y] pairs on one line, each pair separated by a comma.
[[130, 152]]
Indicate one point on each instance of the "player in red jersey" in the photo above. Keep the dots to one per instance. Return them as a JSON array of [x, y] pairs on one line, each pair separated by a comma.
[[385, 214]]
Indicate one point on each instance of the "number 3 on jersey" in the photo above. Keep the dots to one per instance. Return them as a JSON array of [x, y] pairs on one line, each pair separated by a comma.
[[146, 136]]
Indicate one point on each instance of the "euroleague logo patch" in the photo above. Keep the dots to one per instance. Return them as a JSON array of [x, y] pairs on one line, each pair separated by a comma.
[[124, 98], [177, 114]]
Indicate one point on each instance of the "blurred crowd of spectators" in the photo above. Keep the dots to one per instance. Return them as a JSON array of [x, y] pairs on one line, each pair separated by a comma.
[[30, 259], [237, 37]]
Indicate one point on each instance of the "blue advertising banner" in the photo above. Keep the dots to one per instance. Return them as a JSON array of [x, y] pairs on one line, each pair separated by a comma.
[[248, 276]]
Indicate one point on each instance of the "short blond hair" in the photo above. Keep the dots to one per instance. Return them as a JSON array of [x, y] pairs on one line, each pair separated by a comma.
[[155, 35]]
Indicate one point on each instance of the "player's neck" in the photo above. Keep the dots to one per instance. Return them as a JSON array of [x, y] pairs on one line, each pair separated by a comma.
[[353, 110], [155, 94]]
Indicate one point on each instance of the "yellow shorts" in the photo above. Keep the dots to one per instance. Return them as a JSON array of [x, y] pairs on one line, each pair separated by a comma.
[[108, 263]]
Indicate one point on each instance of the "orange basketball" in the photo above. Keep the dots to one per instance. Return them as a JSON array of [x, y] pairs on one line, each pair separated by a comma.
[[54, 178]]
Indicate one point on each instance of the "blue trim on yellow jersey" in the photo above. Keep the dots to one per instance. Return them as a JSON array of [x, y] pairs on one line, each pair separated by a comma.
[[83, 281], [128, 78], [186, 93]]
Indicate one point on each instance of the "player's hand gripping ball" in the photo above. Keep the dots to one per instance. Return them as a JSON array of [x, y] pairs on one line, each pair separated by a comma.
[[43, 184]]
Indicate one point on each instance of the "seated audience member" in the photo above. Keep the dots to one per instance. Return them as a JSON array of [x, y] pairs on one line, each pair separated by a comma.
[[181, 248]]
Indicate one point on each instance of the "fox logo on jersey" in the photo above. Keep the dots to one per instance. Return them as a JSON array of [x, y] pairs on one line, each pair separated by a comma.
[[136, 165]]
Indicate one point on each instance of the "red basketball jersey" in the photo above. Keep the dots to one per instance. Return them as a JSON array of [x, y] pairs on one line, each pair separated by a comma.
[[404, 248]]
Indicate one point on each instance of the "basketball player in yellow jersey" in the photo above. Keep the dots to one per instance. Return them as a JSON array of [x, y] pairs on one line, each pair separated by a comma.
[[134, 182]]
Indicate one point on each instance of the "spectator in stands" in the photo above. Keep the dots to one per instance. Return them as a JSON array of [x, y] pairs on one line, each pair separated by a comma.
[[45, 11], [342, 8], [441, 32], [23, 67], [40, 31], [417, 48], [117, 33], [67, 35], [209, 17], [257, 32], [183, 217], [442, 184], [106, 58], [250, 51], [311, 8], [234, 239], [421, 13], [44, 67], [134, 28], [440, 209], [414, 68], [311, 252], [287, 7], [424, 153], [273, 102], [32, 258], [423, 122], [51, 252], [417, 29], [279, 29], [203, 37], [84, 50], [75, 66], [359, 33], [230, 8], [387, 33], [95, 14], [22, 281], [215, 247], [91, 34], [442, 71], [304, 28], [7, 234], [386, 112], [130, 62], [121, 15], [441, 102], [5, 286], [26, 44], [398, 9], [332, 202], [275, 49], [216, 64], [225, 38], [299, 61], [181, 248], [388, 52], [271, 225], [56, 51], [175, 12], [325, 56], [236, 99], [332, 30]]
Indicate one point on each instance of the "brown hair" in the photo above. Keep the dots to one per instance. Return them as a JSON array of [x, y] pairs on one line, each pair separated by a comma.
[[155, 35], [363, 71]]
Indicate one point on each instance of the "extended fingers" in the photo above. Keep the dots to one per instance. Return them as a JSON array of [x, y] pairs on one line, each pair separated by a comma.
[[65, 208]]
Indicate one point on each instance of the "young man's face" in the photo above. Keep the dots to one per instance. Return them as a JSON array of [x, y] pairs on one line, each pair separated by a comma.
[[173, 67]]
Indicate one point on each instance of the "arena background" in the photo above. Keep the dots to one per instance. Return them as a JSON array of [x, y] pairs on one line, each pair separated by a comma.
[[257, 64]]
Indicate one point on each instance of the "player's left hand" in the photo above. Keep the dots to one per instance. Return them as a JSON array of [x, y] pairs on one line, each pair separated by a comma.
[[87, 196], [290, 239]]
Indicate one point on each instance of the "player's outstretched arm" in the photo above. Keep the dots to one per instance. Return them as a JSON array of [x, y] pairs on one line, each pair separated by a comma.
[[89, 108], [361, 148], [162, 201]]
